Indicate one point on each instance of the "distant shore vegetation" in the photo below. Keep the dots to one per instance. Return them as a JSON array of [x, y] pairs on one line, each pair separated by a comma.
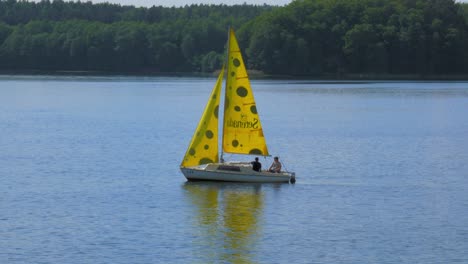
[[307, 38]]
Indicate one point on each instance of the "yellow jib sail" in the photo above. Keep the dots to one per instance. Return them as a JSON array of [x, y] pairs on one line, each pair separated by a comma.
[[242, 130], [203, 148]]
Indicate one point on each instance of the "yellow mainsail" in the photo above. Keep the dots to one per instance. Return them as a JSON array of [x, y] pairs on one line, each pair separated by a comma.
[[242, 130], [203, 148]]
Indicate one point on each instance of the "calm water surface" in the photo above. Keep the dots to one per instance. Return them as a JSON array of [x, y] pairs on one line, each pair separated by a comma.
[[89, 174]]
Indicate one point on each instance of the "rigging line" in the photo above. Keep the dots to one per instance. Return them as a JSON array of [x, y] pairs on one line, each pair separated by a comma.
[[284, 165], [226, 61]]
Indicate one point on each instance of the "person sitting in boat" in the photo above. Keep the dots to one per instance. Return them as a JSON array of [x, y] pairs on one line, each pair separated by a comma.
[[275, 166], [256, 165]]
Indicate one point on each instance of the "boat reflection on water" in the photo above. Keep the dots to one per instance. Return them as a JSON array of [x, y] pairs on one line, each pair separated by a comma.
[[226, 220]]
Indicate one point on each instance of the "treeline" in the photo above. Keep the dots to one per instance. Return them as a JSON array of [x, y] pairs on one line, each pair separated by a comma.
[[83, 36], [120, 46], [307, 37], [15, 12]]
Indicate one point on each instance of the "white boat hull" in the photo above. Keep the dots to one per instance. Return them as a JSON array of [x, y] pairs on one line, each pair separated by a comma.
[[234, 172]]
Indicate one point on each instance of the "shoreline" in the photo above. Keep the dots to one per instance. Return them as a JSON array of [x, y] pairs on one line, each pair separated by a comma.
[[253, 74]]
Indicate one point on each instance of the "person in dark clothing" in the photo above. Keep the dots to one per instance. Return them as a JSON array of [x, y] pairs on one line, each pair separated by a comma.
[[256, 165]]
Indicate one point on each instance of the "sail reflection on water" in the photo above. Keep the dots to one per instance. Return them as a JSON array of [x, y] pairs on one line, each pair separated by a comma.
[[226, 220]]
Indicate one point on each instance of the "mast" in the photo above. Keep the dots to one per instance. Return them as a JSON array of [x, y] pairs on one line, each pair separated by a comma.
[[225, 88]]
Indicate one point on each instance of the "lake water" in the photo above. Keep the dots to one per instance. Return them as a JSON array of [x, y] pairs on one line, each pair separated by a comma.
[[89, 173]]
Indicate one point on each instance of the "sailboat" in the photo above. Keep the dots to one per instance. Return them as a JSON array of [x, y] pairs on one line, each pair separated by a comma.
[[242, 131]]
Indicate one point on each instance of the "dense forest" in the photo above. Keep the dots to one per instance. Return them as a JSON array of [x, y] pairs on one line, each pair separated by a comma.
[[304, 38]]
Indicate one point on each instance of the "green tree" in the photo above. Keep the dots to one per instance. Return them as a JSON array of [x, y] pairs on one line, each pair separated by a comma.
[[211, 61]]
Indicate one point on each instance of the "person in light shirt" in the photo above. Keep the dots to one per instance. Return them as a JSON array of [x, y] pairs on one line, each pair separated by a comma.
[[275, 166]]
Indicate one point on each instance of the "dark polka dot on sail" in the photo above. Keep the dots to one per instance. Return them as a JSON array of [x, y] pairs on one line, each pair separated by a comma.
[[216, 111], [253, 109], [237, 108], [236, 62], [255, 152], [235, 143], [205, 161], [192, 152], [242, 91], [233, 74], [206, 147], [209, 134]]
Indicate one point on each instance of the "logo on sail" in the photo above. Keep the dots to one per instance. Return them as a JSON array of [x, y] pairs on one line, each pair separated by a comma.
[[242, 124]]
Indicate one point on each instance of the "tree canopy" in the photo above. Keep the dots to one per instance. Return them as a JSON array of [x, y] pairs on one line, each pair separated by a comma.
[[304, 38], [362, 36]]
